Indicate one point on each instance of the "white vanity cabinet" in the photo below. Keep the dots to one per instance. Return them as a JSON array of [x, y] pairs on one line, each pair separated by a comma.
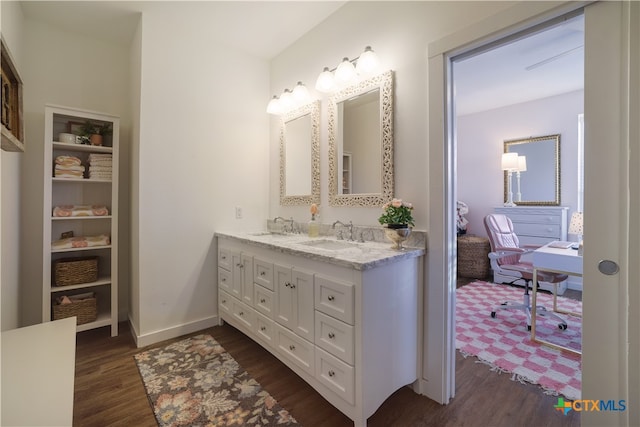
[[351, 332]]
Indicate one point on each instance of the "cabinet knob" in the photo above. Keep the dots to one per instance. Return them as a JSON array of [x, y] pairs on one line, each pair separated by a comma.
[[223, 257], [224, 301], [332, 335], [262, 300], [224, 280], [240, 265], [262, 273], [331, 298], [241, 313], [293, 286], [332, 374], [263, 328], [292, 347]]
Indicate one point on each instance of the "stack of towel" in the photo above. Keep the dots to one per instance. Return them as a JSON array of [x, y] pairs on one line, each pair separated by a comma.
[[69, 167], [100, 166]]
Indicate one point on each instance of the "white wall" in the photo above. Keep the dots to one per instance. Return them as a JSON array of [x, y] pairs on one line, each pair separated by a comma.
[[64, 68], [203, 141], [480, 139], [11, 165]]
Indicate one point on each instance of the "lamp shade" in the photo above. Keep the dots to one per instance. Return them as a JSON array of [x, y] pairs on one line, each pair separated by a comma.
[[301, 94], [522, 164], [575, 226], [368, 61], [345, 72], [274, 106], [325, 82], [286, 101], [509, 161]]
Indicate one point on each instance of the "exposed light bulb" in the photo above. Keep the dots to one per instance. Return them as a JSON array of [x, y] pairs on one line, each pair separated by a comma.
[[325, 82], [301, 94], [368, 61], [345, 72], [274, 106]]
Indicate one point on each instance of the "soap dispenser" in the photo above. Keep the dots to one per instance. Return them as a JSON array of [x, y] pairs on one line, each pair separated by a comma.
[[314, 226]]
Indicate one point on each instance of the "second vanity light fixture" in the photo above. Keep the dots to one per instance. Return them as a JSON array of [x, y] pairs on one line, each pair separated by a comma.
[[289, 100], [346, 73]]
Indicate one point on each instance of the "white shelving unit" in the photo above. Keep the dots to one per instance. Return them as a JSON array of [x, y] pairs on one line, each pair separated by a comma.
[[81, 191]]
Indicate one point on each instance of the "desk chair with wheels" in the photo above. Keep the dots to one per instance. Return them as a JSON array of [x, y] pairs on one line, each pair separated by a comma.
[[505, 258]]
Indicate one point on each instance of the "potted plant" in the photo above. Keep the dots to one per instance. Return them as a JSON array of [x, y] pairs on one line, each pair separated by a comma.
[[96, 131], [398, 219]]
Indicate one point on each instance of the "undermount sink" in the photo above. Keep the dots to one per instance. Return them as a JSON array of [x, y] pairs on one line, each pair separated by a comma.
[[332, 245]]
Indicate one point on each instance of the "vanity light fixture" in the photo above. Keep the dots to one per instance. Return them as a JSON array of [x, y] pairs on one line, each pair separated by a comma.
[[509, 164], [289, 100], [346, 73], [522, 167]]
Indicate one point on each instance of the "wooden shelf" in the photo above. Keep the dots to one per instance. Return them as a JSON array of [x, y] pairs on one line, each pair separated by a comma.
[[88, 248], [100, 282], [79, 218], [81, 147]]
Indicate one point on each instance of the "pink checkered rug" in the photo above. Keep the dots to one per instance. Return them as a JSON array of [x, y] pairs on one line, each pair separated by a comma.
[[504, 342]]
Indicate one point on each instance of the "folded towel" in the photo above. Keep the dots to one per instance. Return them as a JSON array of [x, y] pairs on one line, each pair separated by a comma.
[[100, 156], [68, 160], [81, 242], [69, 174], [70, 168], [80, 210], [100, 176], [100, 169]]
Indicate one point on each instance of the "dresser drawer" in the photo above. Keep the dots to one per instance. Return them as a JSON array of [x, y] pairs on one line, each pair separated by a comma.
[[296, 349], [224, 259], [539, 230], [335, 336], [224, 302], [263, 300], [263, 273], [536, 219], [243, 313], [265, 329], [336, 375], [224, 280], [334, 298]]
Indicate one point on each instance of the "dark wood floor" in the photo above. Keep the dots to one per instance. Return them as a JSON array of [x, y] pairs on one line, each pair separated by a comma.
[[109, 391]]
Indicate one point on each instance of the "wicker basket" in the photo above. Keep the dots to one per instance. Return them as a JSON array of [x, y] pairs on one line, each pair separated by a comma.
[[473, 257], [73, 271], [85, 310]]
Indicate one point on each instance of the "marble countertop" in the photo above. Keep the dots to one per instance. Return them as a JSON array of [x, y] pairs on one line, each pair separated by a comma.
[[360, 256]]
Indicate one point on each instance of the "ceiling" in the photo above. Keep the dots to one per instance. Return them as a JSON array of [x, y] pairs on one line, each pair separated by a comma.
[[547, 63], [260, 28], [492, 79]]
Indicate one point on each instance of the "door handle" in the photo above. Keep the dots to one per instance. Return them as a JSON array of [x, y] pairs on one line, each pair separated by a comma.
[[608, 267]]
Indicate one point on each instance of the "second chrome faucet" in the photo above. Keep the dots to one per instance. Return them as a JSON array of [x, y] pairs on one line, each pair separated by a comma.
[[350, 225]]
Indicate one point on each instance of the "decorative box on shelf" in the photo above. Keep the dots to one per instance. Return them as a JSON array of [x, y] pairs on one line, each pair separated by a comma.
[[73, 271], [83, 306]]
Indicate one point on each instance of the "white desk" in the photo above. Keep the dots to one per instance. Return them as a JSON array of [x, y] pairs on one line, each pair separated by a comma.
[[555, 260], [38, 371]]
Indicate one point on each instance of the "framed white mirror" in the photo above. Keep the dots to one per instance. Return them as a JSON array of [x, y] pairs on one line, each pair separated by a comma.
[[300, 156], [361, 143], [539, 183]]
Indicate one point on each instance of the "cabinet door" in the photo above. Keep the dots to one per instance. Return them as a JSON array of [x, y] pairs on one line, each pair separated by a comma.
[[236, 283], [302, 288], [247, 279], [284, 296]]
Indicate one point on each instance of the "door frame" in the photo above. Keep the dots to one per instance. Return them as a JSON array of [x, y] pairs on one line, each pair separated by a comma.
[[438, 378]]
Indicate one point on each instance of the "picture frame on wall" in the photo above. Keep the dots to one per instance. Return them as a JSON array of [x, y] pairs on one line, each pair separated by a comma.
[[12, 111]]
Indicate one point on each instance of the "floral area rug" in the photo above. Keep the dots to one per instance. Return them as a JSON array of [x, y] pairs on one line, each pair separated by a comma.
[[196, 382], [505, 344]]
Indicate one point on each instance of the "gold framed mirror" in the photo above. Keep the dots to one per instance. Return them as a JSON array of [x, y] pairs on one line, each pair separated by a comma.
[[361, 143], [539, 184], [300, 156]]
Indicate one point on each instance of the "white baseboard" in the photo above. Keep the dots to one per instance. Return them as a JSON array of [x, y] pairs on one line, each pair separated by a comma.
[[173, 332]]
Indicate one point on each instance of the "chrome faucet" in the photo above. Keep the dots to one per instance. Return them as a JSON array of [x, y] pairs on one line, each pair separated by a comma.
[[284, 221], [350, 225]]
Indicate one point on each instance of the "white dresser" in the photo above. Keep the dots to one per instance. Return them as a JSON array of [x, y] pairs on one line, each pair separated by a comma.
[[537, 225]]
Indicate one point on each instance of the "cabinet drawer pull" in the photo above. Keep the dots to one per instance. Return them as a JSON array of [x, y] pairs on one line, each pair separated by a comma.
[[332, 374], [240, 265], [223, 257], [292, 347], [262, 273], [331, 335], [331, 297], [293, 286], [287, 284], [224, 301], [241, 313], [262, 300], [223, 280], [263, 328]]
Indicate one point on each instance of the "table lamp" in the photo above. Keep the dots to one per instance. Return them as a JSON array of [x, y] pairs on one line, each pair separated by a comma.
[[509, 164], [576, 227]]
